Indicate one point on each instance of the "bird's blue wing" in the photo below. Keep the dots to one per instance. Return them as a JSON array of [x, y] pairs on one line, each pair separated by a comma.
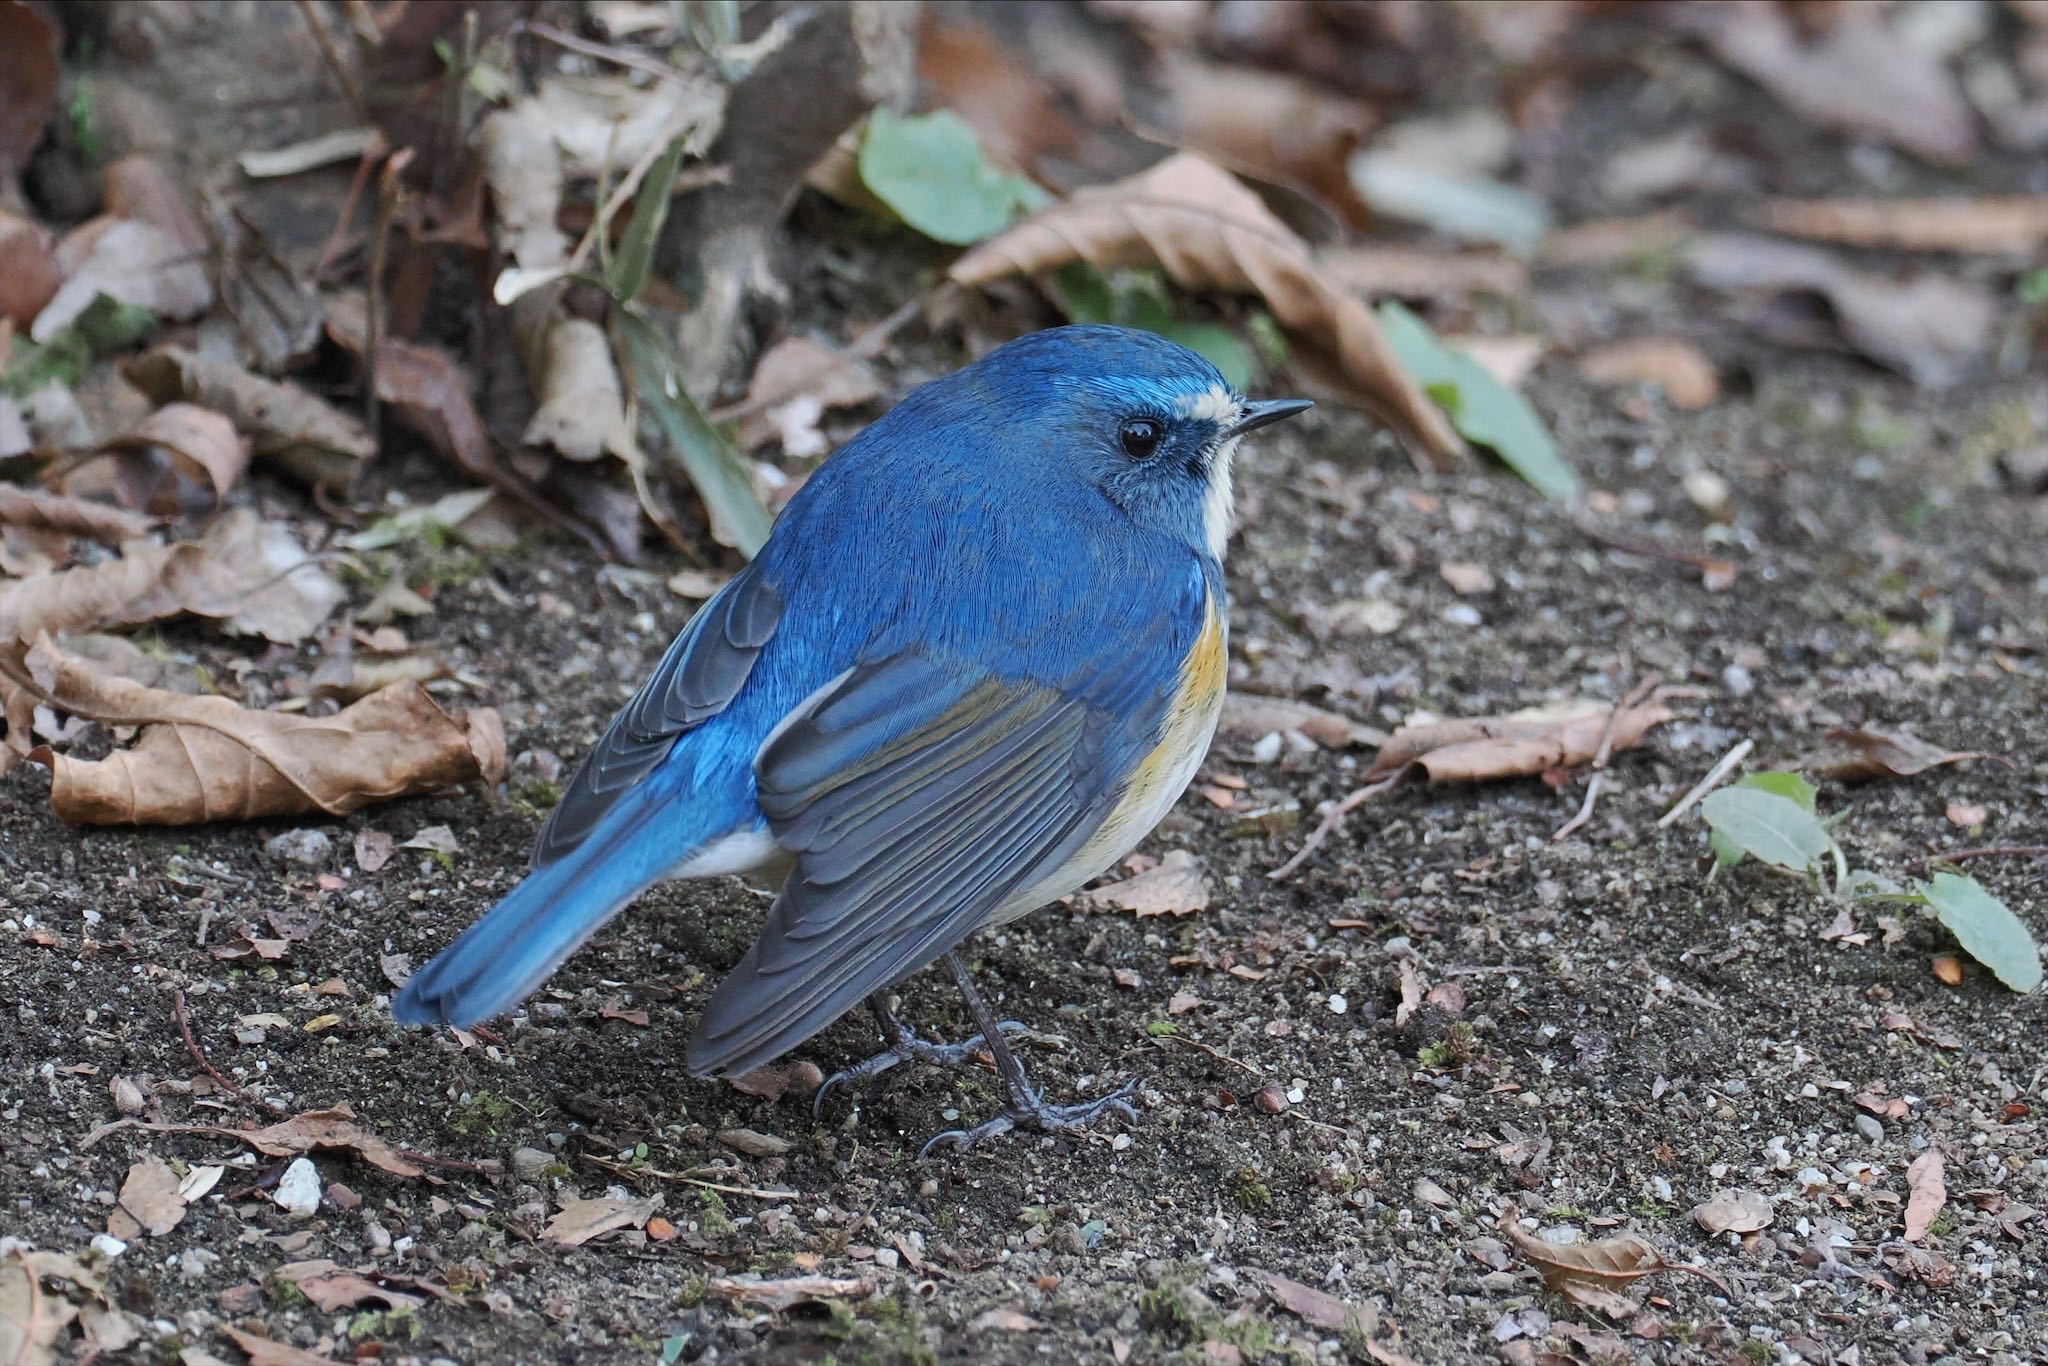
[[920, 794], [699, 676]]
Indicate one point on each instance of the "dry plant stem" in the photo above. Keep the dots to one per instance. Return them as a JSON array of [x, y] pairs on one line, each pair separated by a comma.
[[870, 342], [335, 66], [1714, 778], [389, 192], [1212, 1051], [1334, 818], [198, 1056], [1604, 753], [1649, 550], [373, 155], [656, 1174]]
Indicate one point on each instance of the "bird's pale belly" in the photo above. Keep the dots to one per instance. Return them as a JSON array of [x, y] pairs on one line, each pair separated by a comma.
[[1159, 779]]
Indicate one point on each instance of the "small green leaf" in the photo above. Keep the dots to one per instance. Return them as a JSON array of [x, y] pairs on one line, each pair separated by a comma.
[[104, 326], [931, 171], [1483, 409], [714, 468], [1986, 928], [628, 271], [1767, 826], [424, 522], [1789, 785]]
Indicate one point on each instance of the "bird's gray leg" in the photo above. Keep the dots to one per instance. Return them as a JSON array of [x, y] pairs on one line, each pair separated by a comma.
[[1024, 1103], [904, 1045]]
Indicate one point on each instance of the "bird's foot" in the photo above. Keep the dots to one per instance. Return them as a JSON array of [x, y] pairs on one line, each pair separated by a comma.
[[1028, 1107], [906, 1046]]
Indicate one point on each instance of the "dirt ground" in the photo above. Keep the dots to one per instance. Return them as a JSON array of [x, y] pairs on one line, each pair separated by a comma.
[[1635, 1035]]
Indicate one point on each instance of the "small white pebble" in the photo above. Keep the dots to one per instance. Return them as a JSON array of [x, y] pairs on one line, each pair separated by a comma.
[[1338, 1005], [298, 1191], [108, 1246]]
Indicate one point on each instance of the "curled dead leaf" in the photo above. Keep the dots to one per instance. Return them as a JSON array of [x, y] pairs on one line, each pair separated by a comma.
[[302, 432], [251, 574], [1198, 223], [1252, 716], [1519, 744], [578, 1221], [2008, 225], [1733, 1211], [1609, 1263], [180, 446], [150, 1201], [42, 511], [1874, 753], [206, 758], [582, 412], [781, 1294]]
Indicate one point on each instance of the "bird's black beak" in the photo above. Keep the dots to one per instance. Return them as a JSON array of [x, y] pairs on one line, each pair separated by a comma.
[[1264, 413]]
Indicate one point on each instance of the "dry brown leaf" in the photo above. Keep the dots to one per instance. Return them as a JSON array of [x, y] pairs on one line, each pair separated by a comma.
[[1733, 1211], [373, 849], [262, 1351], [1424, 273], [779, 1079], [2011, 225], [425, 388], [795, 384], [332, 1289], [524, 170], [29, 273], [1482, 749], [582, 413], [1891, 754], [1251, 716], [1931, 327], [1609, 1263], [206, 758], [1176, 886], [181, 444], [1306, 1302], [578, 1221], [1860, 75], [1195, 221], [128, 261], [1411, 992], [1008, 1319], [1271, 124], [43, 511], [1677, 367], [150, 1201], [1925, 1194], [302, 432], [249, 573], [963, 68], [781, 1294]]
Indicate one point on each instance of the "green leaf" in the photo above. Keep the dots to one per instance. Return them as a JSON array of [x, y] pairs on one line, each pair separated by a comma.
[[931, 172], [1767, 826], [1141, 299], [1459, 206], [714, 468], [427, 521], [628, 271], [1986, 928], [106, 325], [1788, 785], [1483, 409]]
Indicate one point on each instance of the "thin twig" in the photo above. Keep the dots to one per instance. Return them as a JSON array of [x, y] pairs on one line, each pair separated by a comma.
[[372, 156], [1605, 752], [605, 52], [335, 66], [1333, 818], [1708, 565], [1211, 1050], [1987, 851], [199, 1056], [758, 1192], [1714, 777]]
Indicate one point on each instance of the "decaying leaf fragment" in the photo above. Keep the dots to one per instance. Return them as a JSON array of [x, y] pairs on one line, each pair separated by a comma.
[[578, 1221], [1175, 886], [37, 510], [1609, 1263], [208, 759], [302, 432], [1198, 223], [1873, 753], [249, 573], [783, 1293], [1485, 748]]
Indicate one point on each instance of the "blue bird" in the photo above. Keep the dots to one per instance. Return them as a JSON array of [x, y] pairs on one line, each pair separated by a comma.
[[979, 658]]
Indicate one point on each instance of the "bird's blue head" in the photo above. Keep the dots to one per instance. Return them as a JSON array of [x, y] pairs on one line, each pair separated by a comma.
[[1132, 417]]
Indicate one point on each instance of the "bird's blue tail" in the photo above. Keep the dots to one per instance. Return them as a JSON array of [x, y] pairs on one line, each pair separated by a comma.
[[504, 957]]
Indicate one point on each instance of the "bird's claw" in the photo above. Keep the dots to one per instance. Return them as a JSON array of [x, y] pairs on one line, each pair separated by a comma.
[[1030, 1108], [908, 1048]]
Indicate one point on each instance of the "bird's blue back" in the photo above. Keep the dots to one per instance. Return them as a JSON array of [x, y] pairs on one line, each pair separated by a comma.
[[983, 540]]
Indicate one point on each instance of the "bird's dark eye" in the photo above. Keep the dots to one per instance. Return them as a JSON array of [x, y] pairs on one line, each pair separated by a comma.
[[1140, 437]]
